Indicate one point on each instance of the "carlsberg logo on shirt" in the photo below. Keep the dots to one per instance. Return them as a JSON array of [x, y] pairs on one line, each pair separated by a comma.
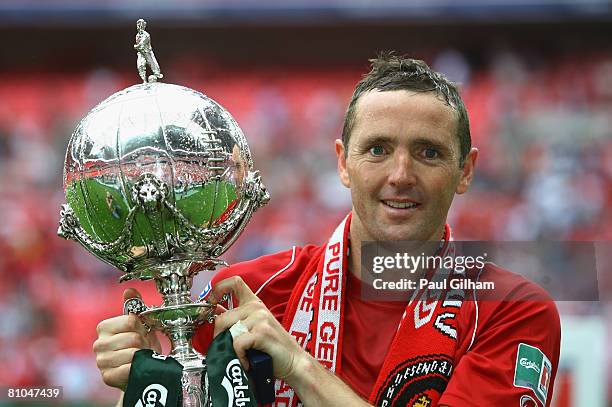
[[154, 395], [528, 364], [236, 384], [532, 371]]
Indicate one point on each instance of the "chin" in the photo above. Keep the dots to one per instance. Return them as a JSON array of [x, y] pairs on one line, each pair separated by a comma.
[[395, 235]]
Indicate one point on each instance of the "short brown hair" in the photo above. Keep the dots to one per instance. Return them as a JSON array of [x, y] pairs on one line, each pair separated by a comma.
[[390, 72]]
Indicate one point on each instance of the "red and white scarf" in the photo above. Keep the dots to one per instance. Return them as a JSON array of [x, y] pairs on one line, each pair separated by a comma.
[[420, 361]]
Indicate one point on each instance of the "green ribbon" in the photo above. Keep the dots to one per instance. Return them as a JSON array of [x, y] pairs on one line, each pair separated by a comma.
[[228, 382], [155, 380]]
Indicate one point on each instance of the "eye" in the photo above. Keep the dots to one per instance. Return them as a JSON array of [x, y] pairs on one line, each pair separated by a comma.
[[431, 153], [377, 151]]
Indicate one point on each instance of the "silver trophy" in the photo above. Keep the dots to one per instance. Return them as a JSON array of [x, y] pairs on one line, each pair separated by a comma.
[[159, 182]]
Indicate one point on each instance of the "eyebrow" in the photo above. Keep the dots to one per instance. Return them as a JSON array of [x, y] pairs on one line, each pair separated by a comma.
[[376, 138], [422, 141]]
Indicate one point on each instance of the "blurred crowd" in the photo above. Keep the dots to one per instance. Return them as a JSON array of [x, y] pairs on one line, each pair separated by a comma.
[[543, 127]]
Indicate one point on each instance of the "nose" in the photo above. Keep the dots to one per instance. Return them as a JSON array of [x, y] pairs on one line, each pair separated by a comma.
[[401, 173]]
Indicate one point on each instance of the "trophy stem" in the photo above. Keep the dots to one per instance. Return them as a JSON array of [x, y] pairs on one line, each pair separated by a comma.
[[194, 381], [180, 335], [178, 317], [195, 389]]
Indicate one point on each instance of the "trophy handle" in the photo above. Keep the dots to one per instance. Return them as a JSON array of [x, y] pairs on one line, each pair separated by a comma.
[[134, 306], [229, 300]]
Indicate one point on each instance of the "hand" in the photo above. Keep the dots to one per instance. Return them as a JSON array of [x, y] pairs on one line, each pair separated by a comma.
[[265, 332], [118, 339]]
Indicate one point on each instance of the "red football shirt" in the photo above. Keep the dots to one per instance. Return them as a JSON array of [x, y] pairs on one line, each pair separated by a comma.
[[489, 330], [369, 328]]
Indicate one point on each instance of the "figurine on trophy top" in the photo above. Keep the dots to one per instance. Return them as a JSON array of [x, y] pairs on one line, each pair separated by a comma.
[[145, 54]]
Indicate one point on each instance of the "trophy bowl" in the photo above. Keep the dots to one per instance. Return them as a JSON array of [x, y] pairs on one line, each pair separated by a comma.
[[158, 174], [159, 182]]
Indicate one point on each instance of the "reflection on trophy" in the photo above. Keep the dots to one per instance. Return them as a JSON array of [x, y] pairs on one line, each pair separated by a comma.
[[159, 182]]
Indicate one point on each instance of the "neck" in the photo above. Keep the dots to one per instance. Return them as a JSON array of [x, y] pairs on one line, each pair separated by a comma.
[[354, 258]]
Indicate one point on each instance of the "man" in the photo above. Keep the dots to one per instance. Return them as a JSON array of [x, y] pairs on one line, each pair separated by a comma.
[[405, 152]]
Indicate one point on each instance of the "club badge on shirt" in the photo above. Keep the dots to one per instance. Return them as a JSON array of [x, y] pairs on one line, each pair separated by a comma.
[[533, 370]]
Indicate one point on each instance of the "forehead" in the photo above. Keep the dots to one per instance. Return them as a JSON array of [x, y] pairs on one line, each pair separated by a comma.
[[399, 112]]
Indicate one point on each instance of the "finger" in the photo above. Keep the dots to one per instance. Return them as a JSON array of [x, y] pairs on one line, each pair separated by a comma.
[[236, 286], [227, 319], [153, 342], [242, 344], [122, 340], [117, 377], [111, 360], [131, 293], [122, 323]]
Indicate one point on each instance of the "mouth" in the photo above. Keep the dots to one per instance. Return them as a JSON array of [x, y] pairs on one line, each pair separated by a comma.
[[400, 204]]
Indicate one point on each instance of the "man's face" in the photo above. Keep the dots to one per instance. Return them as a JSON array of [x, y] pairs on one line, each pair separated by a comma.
[[402, 166]]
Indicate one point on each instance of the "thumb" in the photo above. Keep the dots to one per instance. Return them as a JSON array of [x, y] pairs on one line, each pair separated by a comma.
[[131, 293]]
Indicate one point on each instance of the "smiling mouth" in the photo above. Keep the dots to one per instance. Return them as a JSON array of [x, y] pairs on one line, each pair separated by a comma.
[[401, 205]]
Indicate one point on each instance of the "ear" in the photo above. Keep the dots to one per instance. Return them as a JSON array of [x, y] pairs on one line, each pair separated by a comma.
[[342, 171], [467, 172]]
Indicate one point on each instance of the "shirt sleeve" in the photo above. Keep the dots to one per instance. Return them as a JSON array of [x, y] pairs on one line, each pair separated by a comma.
[[513, 360], [204, 334], [256, 273]]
